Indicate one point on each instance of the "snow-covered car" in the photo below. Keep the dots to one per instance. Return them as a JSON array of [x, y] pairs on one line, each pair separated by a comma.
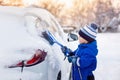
[[21, 35]]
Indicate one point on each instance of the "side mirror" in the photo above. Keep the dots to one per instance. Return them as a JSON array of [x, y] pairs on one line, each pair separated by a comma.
[[72, 37]]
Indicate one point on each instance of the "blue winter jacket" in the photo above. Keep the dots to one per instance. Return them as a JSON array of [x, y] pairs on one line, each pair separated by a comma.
[[86, 61]]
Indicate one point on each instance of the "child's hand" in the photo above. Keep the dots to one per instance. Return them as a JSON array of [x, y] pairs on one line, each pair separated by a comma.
[[66, 51], [72, 59]]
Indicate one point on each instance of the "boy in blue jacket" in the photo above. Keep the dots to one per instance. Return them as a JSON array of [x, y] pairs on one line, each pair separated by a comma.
[[83, 59]]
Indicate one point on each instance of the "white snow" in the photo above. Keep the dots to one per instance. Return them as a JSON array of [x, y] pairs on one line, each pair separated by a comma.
[[18, 41], [17, 44], [108, 57], [14, 38]]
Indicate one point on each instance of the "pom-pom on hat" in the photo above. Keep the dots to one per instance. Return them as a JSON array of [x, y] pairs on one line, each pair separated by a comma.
[[89, 32]]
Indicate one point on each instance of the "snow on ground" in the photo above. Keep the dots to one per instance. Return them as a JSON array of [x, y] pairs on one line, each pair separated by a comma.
[[108, 57]]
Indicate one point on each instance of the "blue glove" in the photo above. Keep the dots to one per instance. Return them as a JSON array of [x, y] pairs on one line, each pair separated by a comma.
[[66, 51], [72, 59]]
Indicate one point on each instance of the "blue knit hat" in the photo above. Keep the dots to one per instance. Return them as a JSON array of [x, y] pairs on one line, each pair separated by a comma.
[[89, 32]]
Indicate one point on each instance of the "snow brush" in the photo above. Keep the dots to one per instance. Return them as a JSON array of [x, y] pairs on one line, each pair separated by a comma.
[[37, 58], [50, 38]]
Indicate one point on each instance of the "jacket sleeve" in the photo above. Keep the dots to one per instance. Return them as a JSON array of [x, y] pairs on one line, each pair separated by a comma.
[[86, 59]]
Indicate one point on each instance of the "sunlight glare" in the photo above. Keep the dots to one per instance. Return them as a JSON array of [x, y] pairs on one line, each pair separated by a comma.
[[68, 3], [29, 1]]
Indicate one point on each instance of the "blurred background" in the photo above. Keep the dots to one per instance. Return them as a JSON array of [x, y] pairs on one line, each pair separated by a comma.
[[74, 14]]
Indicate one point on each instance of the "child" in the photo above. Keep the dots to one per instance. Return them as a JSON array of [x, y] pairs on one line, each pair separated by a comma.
[[84, 57]]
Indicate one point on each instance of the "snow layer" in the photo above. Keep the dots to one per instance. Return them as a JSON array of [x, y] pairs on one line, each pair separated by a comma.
[[109, 57]]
